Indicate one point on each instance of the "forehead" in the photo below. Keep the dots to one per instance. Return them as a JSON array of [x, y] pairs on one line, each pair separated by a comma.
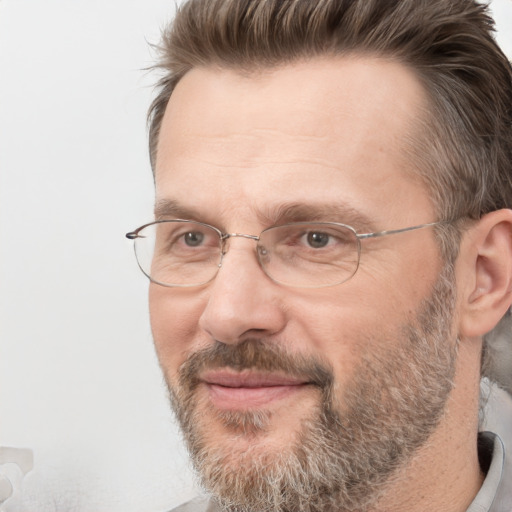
[[327, 130]]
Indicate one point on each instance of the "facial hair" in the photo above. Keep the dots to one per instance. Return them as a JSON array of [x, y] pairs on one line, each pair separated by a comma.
[[353, 441]]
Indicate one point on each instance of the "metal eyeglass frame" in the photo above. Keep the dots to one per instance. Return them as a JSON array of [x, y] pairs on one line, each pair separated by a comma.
[[132, 235]]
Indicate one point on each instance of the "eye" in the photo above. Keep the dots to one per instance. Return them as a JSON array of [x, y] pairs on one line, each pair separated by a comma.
[[317, 239], [193, 238]]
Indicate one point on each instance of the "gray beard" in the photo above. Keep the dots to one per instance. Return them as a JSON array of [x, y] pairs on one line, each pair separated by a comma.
[[353, 442]]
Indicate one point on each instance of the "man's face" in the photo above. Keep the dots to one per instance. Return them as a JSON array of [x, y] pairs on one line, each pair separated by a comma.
[[268, 379]]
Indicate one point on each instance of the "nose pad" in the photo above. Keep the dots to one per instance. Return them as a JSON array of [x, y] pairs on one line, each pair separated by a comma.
[[225, 247], [222, 254], [263, 253]]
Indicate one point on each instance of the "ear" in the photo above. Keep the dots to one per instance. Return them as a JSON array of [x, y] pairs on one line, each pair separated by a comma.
[[485, 273]]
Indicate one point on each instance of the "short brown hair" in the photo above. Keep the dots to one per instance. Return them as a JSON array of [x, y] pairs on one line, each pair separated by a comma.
[[465, 152]]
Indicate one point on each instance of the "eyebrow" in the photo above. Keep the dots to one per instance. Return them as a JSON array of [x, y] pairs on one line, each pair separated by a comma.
[[317, 212], [172, 208], [275, 215]]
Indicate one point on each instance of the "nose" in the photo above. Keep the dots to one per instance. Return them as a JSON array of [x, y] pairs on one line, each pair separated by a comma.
[[242, 301]]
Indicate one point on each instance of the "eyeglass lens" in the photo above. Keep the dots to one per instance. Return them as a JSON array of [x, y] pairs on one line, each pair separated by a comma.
[[186, 253]]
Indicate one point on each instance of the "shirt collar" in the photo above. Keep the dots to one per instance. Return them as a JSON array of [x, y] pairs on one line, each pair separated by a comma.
[[485, 500], [495, 451]]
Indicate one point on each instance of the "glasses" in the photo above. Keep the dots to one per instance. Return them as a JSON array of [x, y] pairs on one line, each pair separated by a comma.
[[301, 254]]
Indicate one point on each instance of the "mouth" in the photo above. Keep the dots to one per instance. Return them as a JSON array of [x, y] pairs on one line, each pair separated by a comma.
[[246, 390]]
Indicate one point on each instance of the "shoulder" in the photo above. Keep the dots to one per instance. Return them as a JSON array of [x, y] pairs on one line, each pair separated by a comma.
[[196, 505]]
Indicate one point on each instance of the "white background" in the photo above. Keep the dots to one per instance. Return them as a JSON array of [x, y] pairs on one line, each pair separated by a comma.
[[79, 383]]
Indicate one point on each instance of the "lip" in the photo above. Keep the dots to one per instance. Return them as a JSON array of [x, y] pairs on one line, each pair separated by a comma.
[[248, 390]]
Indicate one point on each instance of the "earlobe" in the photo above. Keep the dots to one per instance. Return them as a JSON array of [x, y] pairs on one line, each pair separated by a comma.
[[486, 257]]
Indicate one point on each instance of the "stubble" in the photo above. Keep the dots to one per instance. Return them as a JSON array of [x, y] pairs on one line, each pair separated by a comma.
[[346, 451]]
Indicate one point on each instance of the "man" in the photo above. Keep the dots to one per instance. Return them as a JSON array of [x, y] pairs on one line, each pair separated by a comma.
[[332, 242]]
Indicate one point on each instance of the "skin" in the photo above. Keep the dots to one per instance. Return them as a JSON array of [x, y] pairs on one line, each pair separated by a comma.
[[233, 149]]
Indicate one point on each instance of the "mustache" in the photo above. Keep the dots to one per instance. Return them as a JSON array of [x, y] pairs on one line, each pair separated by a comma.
[[258, 355]]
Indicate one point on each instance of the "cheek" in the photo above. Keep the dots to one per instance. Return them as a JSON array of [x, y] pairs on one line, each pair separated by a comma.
[[174, 325], [339, 330], [344, 325]]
